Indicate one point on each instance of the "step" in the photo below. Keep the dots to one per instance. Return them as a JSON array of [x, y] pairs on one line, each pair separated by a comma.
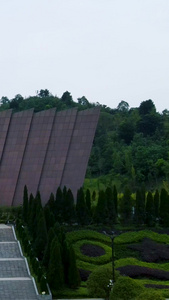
[[6, 233], [9, 250], [13, 268], [17, 289]]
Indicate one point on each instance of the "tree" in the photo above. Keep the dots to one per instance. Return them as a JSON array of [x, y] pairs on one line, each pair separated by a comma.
[[25, 204], [126, 131], [126, 288], [98, 282], [111, 211], [43, 93], [150, 212], [68, 207], [59, 205], [73, 273], [55, 275], [126, 207], [83, 101], [164, 207], [156, 204], [123, 106], [41, 235], [140, 206], [81, 210], [88, 204], [101, 213], [146, 107], [67, 98], [50, 237]]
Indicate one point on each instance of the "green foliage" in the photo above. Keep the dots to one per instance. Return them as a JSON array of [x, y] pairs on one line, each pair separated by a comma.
[[150, 211], [98, 282], [73, 273], [126, 207], [81, 209], [150, 295], [137, 236], [75, 236], [55, 275], [25, 205], [125, 288], [99, 260]]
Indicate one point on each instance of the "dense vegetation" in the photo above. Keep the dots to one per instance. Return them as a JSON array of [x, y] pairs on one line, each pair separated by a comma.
[[126, 185], [130, 146]]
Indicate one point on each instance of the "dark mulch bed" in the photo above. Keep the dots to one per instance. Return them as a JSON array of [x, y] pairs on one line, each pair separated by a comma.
[[138, 271], [156, 286], [92, 250], [84, 274], [151, 251]]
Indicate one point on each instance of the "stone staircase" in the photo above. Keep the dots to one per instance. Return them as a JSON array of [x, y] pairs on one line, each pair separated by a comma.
[[15, 280]]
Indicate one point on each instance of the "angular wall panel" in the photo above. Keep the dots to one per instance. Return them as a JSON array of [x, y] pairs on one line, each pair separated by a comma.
[[79, 151], [44, 151], [57, 152], [35, 153], [5, 117], [13, 154]]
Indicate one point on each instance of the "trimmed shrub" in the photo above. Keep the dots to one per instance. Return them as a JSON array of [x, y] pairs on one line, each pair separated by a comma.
[[98, 282], [138, 271], [150, 295], [98, 260], [125, 288]]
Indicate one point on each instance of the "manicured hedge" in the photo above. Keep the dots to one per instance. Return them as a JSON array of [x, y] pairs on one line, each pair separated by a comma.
[[99, 260], [138, 271], [75, 236], [132, 261], [138, 236]]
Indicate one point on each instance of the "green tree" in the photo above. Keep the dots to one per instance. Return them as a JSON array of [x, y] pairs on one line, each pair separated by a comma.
[[50, 237], [164, 208], [110, 205], [25, 204], [73, 273], [156, 204], [68, 207], [101, 213], [55, 275], [150, 211], [41, 235], [126, 288], [98, 282], [59, 205], [126, 207], [81, 209], [140, 206]]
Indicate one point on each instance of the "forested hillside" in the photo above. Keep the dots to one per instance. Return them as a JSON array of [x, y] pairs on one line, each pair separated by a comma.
[[130, 146]]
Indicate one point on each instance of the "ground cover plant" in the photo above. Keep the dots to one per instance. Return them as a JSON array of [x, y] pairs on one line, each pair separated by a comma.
[[131, 257], [151, 251]]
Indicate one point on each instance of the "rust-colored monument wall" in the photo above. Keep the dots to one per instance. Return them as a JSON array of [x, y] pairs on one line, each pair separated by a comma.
[[43, 151]]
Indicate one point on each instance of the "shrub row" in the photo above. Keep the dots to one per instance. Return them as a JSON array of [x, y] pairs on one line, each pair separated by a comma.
[[138, 236], [151, 251], [99, 260], [77, 235], [138, 271], [133, 261]]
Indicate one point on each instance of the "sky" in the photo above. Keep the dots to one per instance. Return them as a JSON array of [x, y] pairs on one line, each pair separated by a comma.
[[105, 50]]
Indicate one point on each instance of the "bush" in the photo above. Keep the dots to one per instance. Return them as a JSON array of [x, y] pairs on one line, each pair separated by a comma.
[[125, 288], [98, 282], [138, 271], [99, 260], [150, 295]]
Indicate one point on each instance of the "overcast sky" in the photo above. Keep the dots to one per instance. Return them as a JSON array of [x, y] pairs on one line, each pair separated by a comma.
[[105, 50]]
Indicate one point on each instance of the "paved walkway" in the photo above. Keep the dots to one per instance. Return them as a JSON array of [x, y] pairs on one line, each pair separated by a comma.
[[15, 280]]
